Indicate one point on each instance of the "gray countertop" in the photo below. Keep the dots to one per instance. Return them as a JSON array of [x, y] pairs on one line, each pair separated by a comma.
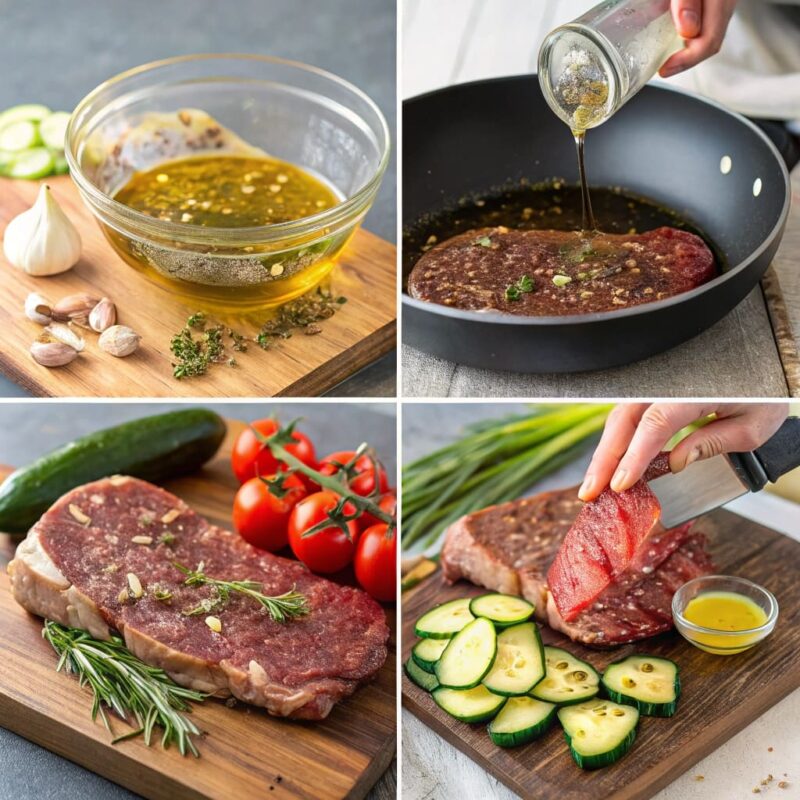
[[55, 53], [29, 429]]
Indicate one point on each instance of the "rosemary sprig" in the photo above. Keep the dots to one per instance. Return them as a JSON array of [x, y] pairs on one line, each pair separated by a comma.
[[140, 694], [280, 607]]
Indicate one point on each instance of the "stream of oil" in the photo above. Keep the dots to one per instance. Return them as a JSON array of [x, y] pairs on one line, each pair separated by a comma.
[[553, 206], [588, 224]]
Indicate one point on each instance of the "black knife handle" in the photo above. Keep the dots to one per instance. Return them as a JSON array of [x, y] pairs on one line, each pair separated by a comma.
[[781, 453]]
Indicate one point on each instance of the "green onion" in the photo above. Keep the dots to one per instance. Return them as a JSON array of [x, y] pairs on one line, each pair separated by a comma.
[[496, 461]]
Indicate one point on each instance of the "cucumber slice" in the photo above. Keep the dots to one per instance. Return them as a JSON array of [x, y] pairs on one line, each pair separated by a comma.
[[519, 665], [598, 732], [7, 158], [423, 679], [30, 112], [32, 164], [60, 165], [469, 705], [468, 657], [444, 621], [650, 684], [53, 129], [568, 680], [502, 609], [19, 136], [428, 651], [521, 720]]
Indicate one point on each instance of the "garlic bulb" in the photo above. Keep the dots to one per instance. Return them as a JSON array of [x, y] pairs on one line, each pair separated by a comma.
[[42, 240]]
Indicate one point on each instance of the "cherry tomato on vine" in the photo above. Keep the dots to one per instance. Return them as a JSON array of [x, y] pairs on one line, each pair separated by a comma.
[[250, 458], [367, 473], [376, 562], [330, 549], [260, 517], [387, 504]]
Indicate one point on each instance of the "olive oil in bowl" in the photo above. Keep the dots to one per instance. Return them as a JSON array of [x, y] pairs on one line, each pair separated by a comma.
[[232, 193]]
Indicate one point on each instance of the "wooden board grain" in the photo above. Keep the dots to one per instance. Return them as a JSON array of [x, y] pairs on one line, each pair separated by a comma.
[[244, 752], [360, 332], [720, 696]]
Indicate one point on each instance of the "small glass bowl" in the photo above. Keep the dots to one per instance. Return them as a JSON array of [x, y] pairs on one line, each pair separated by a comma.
[[291, 111], [717, 641]]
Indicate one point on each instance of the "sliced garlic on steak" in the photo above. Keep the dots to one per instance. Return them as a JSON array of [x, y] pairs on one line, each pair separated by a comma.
[[214, 623], [171, 515], [135, 586], [142, 540], [78, 515]]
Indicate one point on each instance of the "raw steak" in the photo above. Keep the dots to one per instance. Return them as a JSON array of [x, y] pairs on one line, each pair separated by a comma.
[[73, 565], [603, 541], [604, 272], [508, 548]]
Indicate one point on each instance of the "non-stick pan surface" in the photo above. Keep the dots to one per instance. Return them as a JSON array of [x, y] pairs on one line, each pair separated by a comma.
[[665, 145]]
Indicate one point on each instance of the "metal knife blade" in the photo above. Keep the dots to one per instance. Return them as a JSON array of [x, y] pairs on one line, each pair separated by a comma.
[[699, 488]]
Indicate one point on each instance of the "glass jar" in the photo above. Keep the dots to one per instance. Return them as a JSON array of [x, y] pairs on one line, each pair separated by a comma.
[[589, 68]]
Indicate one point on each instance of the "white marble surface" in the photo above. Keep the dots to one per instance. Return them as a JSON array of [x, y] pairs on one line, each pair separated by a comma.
[[432, 769]]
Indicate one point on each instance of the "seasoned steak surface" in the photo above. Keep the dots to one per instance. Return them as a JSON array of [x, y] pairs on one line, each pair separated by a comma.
[[568, 272], [298, 668], [510, 547]]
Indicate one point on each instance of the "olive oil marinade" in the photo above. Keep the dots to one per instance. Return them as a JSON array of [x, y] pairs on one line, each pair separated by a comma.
[[228, 192]]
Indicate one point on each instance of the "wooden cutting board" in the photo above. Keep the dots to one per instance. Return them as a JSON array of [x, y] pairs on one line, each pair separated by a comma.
[[361, 331], [720, 696], [244, 753]]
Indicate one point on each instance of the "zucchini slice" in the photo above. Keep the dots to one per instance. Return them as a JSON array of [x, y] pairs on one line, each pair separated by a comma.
[[444, 621], [568, 680], [521, 720], [469, 705], [598, 732], [519, 665], [428, 651], [423, 679], [468, 657], [650, 684], [502, 609]]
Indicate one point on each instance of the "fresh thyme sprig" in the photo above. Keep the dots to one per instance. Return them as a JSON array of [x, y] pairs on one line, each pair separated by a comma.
[[140, 694], [280, 607]]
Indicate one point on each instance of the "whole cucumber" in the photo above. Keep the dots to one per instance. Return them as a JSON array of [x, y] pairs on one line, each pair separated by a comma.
[[153, 448]]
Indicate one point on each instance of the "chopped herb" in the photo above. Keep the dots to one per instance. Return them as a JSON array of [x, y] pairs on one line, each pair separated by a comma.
[[167, 538], [515, 290], [239, 342], [194, 356], [302, 313], [197, 321], [145, 520], [561, 280], [161, 593], [484, 241]]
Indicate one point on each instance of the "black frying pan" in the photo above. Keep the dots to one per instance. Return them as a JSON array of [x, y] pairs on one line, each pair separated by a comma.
[[663, 145]]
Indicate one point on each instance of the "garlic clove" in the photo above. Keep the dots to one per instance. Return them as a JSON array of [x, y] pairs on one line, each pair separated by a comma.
[[63, 333], [53, 354], [119, 341], [103, 315], [37, 309], [42, 240], [74, 308]]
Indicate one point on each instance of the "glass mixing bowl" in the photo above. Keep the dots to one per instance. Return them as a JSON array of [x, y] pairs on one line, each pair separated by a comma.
[[291, 111]]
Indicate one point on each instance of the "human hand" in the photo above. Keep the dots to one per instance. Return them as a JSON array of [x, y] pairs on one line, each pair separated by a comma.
[[636, 432], [703, 24]]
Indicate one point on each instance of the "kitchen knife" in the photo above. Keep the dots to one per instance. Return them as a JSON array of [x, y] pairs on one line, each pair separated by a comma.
[[705, 485]]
